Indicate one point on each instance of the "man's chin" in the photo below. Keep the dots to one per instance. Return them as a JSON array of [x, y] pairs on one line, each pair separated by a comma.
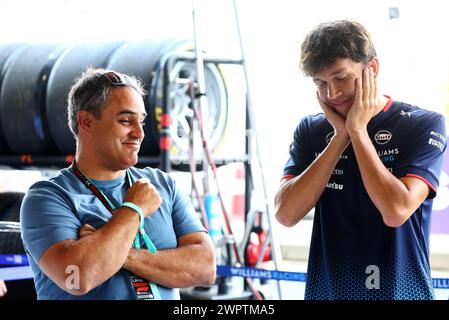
[[134, 161], [131, 161], [342, 112]]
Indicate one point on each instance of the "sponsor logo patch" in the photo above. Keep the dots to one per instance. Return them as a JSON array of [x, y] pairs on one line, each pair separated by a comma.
[[338, 172], [437, 135], [436, 144], [382, 136], [388, 152], [335, 186]]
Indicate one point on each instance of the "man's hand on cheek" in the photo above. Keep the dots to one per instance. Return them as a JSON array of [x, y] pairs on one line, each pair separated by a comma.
[[336, 121], [365, 102]]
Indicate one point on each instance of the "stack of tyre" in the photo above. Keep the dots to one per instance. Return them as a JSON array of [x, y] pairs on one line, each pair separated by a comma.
[[35, 81]]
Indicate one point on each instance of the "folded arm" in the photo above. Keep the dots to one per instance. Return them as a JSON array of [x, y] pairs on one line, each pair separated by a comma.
[[192, 263], [95, 257]]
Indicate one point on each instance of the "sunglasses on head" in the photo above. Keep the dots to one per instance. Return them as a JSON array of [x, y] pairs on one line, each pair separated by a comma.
[[111, 78]]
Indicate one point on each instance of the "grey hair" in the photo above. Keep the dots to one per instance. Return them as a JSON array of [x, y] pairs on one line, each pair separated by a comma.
[[90, 92]]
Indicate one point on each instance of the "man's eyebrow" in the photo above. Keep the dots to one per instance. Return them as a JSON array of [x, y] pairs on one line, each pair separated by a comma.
[[130, 112], [338, 71]]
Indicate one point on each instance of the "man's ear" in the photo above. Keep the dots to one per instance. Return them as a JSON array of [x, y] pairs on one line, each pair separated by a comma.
[[85, 122], [374, 64]]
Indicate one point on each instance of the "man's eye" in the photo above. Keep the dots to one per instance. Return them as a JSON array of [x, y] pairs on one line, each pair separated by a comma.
[[124, 121], [342, 77]]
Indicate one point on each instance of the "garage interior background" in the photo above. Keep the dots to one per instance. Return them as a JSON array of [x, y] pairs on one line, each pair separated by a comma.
[[411, 42]]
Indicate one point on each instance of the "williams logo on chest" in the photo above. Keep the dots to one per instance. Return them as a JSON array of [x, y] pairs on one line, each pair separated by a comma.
[[382, 140]]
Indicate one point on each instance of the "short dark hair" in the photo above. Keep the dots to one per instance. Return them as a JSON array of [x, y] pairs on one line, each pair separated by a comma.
[[332, 40], [90, 92]]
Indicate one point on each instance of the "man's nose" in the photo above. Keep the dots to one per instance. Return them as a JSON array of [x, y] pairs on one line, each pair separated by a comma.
[[332, 91], [138, 131]]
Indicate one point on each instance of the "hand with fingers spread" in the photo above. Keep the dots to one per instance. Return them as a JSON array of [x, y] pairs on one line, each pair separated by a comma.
[[144, 194], [366, 102], [336, 121]]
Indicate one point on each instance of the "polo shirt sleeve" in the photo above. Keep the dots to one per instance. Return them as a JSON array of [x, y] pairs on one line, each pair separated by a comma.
[[422, 158], [46, 218]]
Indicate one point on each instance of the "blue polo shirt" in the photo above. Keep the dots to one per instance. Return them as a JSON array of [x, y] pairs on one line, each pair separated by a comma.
[[55, 210], [350, 244]]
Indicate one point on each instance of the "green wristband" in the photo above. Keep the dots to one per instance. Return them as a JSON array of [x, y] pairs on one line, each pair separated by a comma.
[[136, 208]]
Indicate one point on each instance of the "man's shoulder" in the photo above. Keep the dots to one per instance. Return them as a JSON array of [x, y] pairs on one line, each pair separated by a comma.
[[414, 113], [314, 121], [60, 181], [55, 192], [318, 118]]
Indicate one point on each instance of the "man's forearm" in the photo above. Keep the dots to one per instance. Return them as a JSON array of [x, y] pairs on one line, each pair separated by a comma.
[[100, 255], [182, 267], [388, 193], [299, 195]]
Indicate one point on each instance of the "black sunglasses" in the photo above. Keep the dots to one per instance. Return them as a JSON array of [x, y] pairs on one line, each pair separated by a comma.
[[111, 78]]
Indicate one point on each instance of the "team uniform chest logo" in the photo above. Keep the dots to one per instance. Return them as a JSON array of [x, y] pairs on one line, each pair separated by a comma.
[[382, 136]]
